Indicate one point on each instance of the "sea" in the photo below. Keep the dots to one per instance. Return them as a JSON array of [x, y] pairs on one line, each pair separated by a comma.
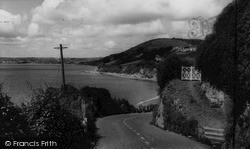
[[19, 81]]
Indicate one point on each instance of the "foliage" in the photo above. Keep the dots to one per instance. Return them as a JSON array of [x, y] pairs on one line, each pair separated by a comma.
[[107, 68], [49, 116], [148, 50], [143, 58], [13, 122], [48, 119], [170, 69], [144, 68], [175, 121], [224, 57], [243, 131], [103, 104], [221, 64]]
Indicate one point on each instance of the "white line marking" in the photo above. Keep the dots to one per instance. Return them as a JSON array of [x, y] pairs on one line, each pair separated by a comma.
[[134, 130], [138, 134], [142, 138]]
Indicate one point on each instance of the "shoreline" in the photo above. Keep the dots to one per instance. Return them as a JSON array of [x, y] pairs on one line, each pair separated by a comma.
[[122, 75]]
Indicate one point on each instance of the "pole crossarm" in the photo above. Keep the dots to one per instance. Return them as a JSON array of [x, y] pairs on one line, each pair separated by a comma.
[[60, 47]]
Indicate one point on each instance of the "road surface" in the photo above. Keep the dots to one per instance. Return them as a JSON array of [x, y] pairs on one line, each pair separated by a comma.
[[133, 131]]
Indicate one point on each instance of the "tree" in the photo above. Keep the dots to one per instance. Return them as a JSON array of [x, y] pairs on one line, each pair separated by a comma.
[[224, 56], [13, 122]]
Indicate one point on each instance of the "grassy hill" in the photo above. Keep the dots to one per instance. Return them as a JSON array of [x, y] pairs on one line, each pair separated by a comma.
[[147, 51], [143, 58]]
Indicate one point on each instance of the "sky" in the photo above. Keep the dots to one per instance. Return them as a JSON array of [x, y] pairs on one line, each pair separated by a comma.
[[94, 28]]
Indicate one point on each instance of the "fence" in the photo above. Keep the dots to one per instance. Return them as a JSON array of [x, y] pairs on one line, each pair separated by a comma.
[[190, 73], [216, 136]]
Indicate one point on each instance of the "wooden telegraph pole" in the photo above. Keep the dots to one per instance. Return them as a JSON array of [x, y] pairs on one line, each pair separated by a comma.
[[62, 63]]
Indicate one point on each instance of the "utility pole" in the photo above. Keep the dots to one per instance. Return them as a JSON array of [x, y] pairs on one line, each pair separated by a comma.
[[62, 63]]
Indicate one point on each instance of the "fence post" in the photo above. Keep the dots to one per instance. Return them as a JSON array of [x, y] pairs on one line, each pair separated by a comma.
[[181, 72], [200, 76], [191, 73]]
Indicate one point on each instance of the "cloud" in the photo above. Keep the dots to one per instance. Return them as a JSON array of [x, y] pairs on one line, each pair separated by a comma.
[[89, 26], [124, 11], [9, 24], [147, 28], [47, 13], [163, 36], [33, 29], [110, 44], [131, 16], [13, 40]]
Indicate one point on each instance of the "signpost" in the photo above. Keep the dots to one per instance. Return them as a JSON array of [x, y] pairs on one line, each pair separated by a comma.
[[62, 63]]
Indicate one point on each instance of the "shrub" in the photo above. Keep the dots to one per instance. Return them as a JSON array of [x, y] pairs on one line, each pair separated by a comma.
[[170, 69], [109, 68], [225, 61], [103, 104], [176, 121], [48, 119], [13, 121]]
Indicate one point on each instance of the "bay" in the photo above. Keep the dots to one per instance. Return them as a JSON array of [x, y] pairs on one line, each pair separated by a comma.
[[19, 80]]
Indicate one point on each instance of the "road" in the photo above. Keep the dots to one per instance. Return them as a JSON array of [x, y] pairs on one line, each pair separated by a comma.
[[133, 131]]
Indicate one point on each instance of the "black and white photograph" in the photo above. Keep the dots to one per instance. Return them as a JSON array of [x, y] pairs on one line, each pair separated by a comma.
[[125, 74]]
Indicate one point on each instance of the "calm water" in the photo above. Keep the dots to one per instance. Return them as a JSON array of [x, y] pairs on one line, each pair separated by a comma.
[[19, 79]]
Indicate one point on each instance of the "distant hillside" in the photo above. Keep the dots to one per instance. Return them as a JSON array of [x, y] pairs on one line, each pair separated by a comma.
[[143, 58], [43, 60], [147, 51]]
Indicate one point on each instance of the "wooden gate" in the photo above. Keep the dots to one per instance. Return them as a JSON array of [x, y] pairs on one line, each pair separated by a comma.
[[190, 73]]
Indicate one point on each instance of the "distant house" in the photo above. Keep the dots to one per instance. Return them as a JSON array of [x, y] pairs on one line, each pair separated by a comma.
[[184, 49], [176, 49], [158, 58], [188, 49]]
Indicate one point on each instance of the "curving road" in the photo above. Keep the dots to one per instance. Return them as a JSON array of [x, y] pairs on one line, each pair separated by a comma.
[[133, 131]]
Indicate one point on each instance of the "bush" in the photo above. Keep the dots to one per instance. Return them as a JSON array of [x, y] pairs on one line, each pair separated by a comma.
[[170, 69], [224, 60], [176, 121], [48, 119], [13, 121], [243, 130], [110, 68], [103, 104], [50, 115]]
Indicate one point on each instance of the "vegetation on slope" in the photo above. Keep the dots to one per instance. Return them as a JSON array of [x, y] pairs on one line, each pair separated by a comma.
[[186, 109], [170, 68], [142, 59], [10, 116], [103, 104], [56, 115], [225, 62], [185, 105]]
